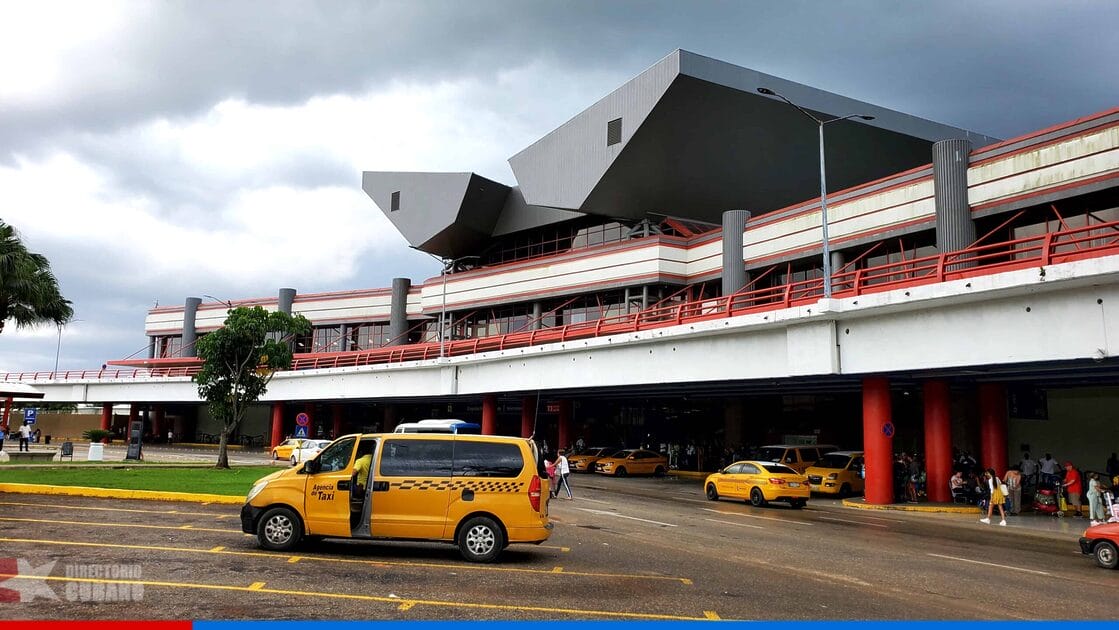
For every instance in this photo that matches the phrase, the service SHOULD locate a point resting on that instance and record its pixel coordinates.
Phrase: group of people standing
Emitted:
(24, 433)
(558, 472)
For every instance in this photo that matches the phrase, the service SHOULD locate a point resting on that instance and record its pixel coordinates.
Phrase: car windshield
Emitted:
(833, 461)
(600, 452)
(622, 454)
(778, 469)
(770, 454)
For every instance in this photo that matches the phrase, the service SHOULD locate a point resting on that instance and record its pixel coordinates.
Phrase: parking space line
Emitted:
(989, 564)
(713, 520)
(371, 598)
(764, 518)
(256, 586)
(294, 559)
(711, 614)
(632, 518)
(133, 525)
(378, 563)
(106, 509)
(217, 549)
(845, 520)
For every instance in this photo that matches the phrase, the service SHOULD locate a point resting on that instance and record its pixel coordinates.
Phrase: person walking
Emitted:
(562, 472)
(1095, 501)
(1050, 470)
(24, 437)
(1013, 481)
(996, 497)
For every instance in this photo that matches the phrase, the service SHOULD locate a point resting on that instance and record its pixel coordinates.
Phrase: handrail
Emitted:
(1066, 245)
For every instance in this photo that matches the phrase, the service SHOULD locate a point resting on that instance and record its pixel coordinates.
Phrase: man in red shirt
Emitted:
(1072, 485)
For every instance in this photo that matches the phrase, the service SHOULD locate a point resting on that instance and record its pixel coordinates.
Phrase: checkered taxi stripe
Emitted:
(477, 485)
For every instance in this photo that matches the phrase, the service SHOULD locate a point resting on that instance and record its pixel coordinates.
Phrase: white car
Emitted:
(306, 450)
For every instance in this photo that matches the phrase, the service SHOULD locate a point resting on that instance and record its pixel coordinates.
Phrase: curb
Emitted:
(116, 493)
(687, 474)
(859, 504)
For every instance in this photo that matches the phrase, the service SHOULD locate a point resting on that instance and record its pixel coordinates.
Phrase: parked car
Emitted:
(838, 472)
(585, 460)
(283, 449)
(632, 462)
(796, 456)
(758, 483)
(308, 449)
(1102, 543)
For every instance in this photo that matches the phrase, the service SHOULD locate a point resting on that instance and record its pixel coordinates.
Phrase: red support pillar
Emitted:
(390, 418)
(158, 430)
(106, 416)
(277, 424)
(564, 437)
(938, 441)
(309, 409)
(7, 411)
(133, 416)
(878, 441)
(992, 427)
(489, 414)
(336, 410)
(528, 415)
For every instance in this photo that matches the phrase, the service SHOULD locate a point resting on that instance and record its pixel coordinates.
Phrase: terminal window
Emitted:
(614, 132)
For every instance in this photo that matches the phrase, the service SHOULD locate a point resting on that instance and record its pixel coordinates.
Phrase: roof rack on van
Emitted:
(439, 425)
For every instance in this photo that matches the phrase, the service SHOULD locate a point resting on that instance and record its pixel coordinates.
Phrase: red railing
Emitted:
(1079, 243)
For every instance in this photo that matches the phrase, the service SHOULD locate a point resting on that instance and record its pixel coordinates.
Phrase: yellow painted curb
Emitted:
(910, 507)
(688, 474)
(118, 493)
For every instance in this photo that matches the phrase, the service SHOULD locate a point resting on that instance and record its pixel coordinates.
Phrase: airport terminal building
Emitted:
(656, 275)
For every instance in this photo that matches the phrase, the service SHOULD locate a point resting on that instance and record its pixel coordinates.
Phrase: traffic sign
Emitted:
(29, 415)
(301, 431)
(303, 420)
(888, 429)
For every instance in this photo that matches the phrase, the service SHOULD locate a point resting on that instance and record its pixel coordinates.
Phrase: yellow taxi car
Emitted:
(632, 462)
(284, 449)
(758, 483)
(585, 461)
(837, 472)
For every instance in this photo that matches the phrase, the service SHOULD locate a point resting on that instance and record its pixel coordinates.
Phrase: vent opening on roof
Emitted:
(394, 205)
(614, 132)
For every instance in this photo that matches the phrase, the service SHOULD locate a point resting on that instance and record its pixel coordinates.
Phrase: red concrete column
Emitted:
(938, 440)
(336, 411)
(878, 441)
(564, 437)
(106, 416)
(489, 414)
(309, 409)
(277, 424)
(159, 431)
(528, 415)
(992, 427)
(7, 411)
(133, 416)
(390, 419)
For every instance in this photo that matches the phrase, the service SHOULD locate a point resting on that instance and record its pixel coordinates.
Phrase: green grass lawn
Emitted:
(235, 482)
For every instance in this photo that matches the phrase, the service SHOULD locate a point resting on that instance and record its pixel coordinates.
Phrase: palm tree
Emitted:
(29, 292)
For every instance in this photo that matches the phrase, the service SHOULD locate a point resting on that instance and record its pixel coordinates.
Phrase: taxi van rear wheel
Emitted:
(845, 491)
(481, 539)
(279, 529)
(1106, 554)
(712, 493)
(757, 499)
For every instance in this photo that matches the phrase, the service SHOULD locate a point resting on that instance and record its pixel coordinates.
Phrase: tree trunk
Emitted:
(223, 455)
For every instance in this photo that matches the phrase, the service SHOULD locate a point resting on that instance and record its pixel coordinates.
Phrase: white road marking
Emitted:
(632, 518)
(582, 499)
(764, 518)
(715, 520)
(844, 520)
(990, 564)
(695, 500)
(877, 518)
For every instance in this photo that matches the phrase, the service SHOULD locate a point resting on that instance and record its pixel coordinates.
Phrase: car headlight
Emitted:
(255, 491)
(833, 475)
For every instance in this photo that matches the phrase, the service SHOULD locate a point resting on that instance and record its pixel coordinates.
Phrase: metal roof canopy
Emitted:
(19, 390)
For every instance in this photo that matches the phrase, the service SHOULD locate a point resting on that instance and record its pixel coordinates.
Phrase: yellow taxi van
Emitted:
(796, 456)
(479, 492)
(838, 472)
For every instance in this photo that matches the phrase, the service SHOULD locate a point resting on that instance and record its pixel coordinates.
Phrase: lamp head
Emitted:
(867, 117)
(766, 91)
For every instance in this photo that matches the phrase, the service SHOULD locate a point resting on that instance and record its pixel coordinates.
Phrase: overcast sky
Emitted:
(159, 150)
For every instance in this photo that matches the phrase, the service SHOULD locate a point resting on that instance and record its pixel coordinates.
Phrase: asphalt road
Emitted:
(623, 549)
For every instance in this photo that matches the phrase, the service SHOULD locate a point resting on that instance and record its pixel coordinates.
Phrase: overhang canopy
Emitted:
(18, 390)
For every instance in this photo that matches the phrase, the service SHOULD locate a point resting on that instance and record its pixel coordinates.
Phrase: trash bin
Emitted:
(47, 439)
(96, 452)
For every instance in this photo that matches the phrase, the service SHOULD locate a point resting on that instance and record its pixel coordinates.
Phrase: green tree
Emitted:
(29, 292)
(239, 361)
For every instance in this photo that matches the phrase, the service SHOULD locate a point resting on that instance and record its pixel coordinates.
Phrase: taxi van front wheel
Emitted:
(481, 539)
(279, 529)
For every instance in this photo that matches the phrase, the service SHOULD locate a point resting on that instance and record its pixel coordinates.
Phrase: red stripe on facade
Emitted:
(1042, 132)
(1043, 191)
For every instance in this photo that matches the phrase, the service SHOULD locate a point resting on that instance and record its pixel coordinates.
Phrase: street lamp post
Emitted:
(823, 179)
(447, 264)
(58, 347)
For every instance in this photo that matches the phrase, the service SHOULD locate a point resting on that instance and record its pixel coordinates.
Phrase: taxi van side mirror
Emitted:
(311, 467)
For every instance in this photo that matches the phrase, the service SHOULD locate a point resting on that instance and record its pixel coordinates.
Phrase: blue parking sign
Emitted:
(29, 415)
